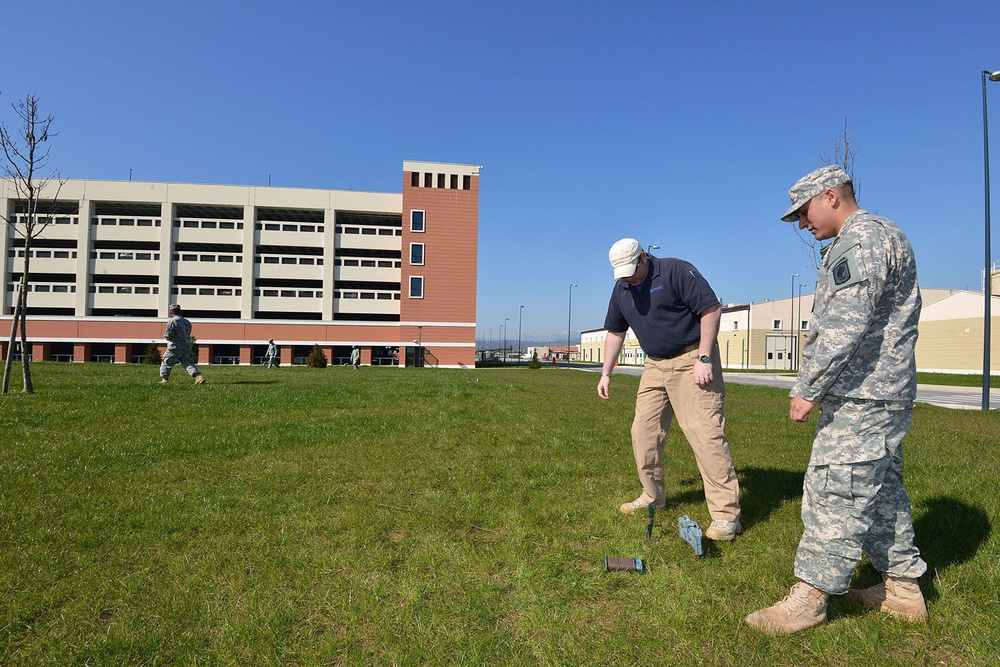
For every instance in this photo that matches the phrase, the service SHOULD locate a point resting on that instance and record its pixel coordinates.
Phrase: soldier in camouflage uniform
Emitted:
(178, 335)
(858, 366)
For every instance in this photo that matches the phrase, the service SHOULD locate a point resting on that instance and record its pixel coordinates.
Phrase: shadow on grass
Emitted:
(948, 532)
(764, 490)
(249, 382)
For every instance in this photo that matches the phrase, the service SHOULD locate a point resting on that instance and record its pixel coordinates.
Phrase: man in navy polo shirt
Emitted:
(675, 315)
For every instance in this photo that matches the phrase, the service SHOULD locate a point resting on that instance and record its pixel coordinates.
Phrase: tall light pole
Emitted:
(651, 248)
(520, 311)
(987, 277)
(569, 324)
(420, 346)
(791, 323)
(505, 329)
(798, 338)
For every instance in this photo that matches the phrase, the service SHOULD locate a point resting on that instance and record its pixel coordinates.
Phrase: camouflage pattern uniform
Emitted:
(858, 364)
(178, 335)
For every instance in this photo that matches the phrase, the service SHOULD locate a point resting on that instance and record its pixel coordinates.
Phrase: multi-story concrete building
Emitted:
(394, 274)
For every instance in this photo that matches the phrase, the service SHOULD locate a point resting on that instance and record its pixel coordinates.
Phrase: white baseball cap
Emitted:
(624, 256)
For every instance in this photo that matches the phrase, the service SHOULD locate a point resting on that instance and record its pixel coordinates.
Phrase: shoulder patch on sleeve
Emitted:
(846, 270)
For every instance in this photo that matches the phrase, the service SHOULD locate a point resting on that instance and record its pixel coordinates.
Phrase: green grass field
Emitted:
(436, 517)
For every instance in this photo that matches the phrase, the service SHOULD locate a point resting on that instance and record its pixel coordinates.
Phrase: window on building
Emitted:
(440, 180)
(270, 260)
(428, 180)
(270, 292)
(226, 225)
(414, 179)
(467, 182)
(804, 325)
(307, 260)
(40, 288)
(272, 226)
(305, 294)
(369, 263)
(124, 289)
(142, 290)
(416, 287)
(143, 255)
(105, 289)
(454, 181)
(776, 325)
(307, 228)
(417, 254)
(288, 260)
(350, 262)
(208, 258)
(145, 222)
(224, 291)
(209, 224)
(736, 325)
(417, 221)
(190, 291)
(226, 258)
(206, 291)
(60, 288)
(349, 295)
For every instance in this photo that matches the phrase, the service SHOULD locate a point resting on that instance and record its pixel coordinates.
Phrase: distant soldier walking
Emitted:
(272, 353)
(355, 357)
(178, 335)
(858, 365)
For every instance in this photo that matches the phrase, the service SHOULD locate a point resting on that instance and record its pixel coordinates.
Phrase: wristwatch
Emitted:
(704, 358)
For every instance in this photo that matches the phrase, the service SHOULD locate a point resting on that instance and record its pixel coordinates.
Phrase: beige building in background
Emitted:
(769, 335)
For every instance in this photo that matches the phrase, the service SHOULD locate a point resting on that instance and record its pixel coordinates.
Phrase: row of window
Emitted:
(125, 222)
(778, 325)
(36, 287)
(286, 227)
(208, 224)
(416, 291)
(290, 293)
(21, 219)
(449, 181)
(416, 257)
(384, 296)
(207, 291)
(123, 289)
(58, 254)
(368, 263)
(368, 231)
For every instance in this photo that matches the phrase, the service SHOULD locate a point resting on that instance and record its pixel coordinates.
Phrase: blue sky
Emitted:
(682, 124)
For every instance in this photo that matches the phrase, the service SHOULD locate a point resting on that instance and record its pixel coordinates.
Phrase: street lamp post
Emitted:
(505, 329)
(651, 248)
(420, 346)
(499, 337)
(987, 278)
(798, 338)
(569, 324)
(791, 323)
(520, 311)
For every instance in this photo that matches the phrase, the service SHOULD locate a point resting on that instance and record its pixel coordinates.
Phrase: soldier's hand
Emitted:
(800, 408)
(603, 386)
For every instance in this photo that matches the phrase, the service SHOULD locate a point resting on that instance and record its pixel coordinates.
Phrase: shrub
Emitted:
(152, 355)
(316, 358)
(534, 361)
(194, 347)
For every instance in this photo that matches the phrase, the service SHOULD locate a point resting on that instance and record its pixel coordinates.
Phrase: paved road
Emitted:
(960, 398)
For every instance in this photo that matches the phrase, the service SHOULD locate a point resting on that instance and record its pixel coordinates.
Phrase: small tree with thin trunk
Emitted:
(845, 152)
(27, 168)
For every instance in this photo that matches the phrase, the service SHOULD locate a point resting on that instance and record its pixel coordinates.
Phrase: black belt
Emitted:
(690, 348)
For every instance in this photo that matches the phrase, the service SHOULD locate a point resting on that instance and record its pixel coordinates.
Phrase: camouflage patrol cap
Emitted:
(811, 185)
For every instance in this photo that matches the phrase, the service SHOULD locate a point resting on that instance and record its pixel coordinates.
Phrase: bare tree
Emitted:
(845, 152)
(27, 167)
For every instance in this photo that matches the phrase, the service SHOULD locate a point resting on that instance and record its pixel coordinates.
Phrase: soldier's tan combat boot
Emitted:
(804, 607)
(900, 598)
(199, 379)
